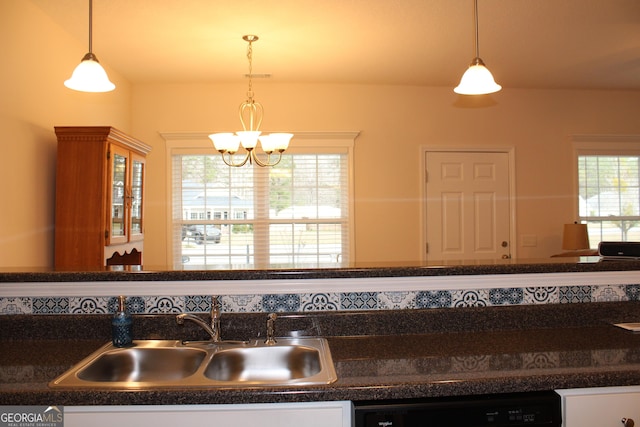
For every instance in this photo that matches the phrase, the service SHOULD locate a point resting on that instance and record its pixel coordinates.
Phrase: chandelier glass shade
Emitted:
(477, 80)
(89, 76)
(251, 113)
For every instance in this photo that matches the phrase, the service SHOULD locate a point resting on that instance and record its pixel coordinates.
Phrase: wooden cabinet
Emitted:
(600, 407)
(99, 197)
(309, 414)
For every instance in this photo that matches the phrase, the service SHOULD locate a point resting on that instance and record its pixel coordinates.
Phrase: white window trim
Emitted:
(199, 142)
(598, 144)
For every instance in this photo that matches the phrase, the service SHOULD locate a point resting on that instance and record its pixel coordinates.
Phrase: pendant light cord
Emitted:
(90, 25)
(475, 12)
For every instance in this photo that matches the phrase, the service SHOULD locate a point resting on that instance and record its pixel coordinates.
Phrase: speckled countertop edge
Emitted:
(551, 265)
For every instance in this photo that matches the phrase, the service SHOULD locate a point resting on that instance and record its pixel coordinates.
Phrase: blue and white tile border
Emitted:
(321, 294)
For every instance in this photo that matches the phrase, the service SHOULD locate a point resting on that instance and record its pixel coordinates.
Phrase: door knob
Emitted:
(627, 422)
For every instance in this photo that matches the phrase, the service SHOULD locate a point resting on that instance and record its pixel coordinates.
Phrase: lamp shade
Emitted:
(226, 141)
(89, 76)
(477, 80)
(275, 142)
(248, 138)
(575, 237)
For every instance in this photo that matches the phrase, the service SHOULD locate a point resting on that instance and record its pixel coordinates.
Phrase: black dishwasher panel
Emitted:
(503, 410)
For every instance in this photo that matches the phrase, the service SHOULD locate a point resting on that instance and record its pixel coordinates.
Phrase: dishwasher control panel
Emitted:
(518, 409)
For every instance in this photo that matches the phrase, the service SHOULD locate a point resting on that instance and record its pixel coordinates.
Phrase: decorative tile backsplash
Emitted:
(342, 301)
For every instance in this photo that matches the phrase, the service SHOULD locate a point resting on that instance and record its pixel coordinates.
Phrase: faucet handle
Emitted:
(271, 329)
(215, 318)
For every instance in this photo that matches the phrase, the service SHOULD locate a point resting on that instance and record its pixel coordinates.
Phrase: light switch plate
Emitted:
(529, 240)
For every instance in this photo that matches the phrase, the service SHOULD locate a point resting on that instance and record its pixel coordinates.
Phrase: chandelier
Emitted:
(251, 113)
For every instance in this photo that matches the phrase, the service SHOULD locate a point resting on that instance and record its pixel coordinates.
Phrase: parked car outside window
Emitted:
(201, 233)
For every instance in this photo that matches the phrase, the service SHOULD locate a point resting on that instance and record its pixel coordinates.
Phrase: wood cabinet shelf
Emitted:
(99, 197)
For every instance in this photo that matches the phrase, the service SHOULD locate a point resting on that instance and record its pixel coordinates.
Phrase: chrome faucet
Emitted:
(214, 328)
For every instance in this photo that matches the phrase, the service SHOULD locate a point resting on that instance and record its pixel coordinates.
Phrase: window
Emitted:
(296, 214)
(609, 192)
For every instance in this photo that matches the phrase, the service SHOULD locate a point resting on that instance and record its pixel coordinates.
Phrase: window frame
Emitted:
(198, 143)
(599, 145)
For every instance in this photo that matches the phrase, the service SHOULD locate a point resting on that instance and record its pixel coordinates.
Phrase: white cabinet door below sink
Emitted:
(308, 414)
(600, 407)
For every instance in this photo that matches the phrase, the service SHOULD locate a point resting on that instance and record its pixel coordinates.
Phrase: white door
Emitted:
(468, 207)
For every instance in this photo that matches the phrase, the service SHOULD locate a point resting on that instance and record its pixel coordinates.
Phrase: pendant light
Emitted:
(477, 80)
(89, 76)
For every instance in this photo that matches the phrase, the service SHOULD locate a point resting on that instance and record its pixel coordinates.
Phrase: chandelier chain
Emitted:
(250, 58)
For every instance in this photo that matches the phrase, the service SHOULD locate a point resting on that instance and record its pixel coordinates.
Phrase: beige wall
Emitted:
(395, 122)
(37, 56)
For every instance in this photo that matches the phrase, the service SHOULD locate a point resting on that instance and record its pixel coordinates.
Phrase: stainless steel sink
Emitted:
(168, 363)
(143, 364)
(279, 363)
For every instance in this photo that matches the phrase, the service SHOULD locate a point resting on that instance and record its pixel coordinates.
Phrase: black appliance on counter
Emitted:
(499, 410)
(619, 250)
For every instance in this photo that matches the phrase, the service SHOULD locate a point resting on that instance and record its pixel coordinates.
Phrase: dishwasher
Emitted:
(499, 410)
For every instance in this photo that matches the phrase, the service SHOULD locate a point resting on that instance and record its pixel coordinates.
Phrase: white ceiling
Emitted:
(525, 43)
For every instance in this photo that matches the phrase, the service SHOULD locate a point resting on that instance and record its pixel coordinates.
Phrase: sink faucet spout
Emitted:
(214, 328)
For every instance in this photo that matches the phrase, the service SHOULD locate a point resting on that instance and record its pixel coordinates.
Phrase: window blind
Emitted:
(609, 197)
(295, 214)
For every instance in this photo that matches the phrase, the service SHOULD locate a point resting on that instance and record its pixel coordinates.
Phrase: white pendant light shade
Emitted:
(477, 80)
(225, 142)
(89, 76)
(275, 142)
(249, 138)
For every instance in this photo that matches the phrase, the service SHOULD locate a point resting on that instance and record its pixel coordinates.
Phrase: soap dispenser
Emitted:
(121, 325)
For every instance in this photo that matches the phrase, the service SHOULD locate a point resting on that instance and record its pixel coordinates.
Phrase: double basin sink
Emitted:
(171, 363)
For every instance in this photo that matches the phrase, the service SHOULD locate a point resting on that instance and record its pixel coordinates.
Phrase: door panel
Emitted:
(484, 227)
(468, 207)
(452, 218)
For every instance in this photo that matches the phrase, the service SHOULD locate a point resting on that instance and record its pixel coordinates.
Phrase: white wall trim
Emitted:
(294, 286)
(599, 138)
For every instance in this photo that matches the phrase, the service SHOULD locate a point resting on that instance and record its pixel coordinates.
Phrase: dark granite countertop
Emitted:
(377, 355)
(472, 267)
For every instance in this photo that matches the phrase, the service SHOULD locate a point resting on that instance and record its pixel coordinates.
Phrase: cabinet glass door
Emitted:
(137, 194)
(119, 196)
